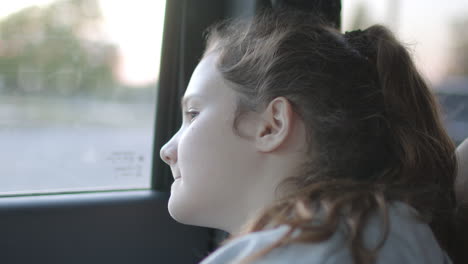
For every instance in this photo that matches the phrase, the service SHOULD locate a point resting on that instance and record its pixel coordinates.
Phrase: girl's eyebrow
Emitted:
(187, 98)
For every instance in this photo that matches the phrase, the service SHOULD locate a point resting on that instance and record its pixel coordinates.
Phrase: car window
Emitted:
(78, 86)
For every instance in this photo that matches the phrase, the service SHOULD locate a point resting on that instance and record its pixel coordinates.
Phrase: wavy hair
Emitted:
(374, 132)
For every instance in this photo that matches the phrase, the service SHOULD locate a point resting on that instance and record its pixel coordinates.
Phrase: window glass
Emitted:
(436, 33)
(78, 86)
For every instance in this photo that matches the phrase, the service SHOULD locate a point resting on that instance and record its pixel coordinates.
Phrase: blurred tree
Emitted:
(459, 66)
(57, 49)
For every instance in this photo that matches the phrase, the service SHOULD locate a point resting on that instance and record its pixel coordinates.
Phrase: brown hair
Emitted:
(373, 129)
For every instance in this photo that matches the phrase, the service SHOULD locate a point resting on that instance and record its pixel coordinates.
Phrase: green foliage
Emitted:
(58, 50)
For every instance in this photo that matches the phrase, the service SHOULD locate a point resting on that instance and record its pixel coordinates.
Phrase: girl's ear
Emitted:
(275, 125)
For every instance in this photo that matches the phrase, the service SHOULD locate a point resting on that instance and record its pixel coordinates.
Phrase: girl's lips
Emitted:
(176, 174)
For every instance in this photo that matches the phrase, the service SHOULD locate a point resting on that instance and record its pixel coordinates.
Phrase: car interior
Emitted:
(132, 225)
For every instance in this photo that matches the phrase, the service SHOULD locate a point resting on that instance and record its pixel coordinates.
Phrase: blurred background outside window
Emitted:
(78, 86)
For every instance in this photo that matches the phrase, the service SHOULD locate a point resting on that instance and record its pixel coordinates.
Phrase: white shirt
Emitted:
(409, 241)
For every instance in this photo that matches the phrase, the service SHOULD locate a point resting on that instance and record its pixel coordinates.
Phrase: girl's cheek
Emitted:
(186, 146)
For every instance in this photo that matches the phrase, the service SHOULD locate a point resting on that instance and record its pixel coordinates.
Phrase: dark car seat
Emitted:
(461, 191)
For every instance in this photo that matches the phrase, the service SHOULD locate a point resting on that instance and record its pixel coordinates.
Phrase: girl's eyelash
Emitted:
(190, 114)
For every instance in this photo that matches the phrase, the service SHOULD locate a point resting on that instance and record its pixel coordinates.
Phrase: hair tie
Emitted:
(359, 41)
(353, 34)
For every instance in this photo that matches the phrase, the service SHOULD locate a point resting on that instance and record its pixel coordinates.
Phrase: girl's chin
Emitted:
(182, 211)
(175, 183)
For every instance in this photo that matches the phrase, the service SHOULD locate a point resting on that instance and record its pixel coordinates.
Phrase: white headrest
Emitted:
(461, 182)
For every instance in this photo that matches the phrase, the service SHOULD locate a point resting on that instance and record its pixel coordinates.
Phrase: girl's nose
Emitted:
(168, 153)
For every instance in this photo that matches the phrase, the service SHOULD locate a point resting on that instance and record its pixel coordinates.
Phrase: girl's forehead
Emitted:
(206, 80)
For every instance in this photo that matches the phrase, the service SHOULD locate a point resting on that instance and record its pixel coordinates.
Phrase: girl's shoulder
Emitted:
(409, 241)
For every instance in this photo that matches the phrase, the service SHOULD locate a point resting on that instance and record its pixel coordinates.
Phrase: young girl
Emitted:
(310, 146)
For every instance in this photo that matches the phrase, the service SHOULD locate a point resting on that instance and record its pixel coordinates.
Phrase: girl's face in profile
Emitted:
(212, 166)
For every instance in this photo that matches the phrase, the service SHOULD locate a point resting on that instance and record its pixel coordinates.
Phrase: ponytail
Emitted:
(423, 151)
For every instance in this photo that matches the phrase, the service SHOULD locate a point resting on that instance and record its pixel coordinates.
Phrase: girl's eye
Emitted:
(191, 114)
